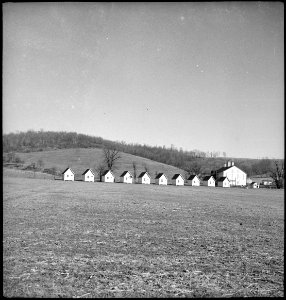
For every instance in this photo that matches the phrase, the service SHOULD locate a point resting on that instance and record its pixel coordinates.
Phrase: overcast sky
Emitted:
(206, 76)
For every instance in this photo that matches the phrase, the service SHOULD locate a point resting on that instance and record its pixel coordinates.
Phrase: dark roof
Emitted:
(124, 173)
(67, 169)
(105, 172)
(142, 174)
(159, 175)
(192, 177)
(207, 177)
(222, 179)
(176, 176)
(222, 169)
(87, 171)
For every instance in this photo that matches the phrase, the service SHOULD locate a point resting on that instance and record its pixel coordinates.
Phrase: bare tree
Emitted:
(134, 165)
(278, 174)
(40, 164)
(193, 168)
(110, 158)
(100, 169)
(146, 168)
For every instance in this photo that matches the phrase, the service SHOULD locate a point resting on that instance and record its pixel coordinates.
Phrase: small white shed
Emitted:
(194, 180)
(68, 174)
(223, 182)
(144, 178)
(208, 181)
(88, 175)
(178, 179)
(126, 177)
(254, 185)
(161, 179)
(107, 176)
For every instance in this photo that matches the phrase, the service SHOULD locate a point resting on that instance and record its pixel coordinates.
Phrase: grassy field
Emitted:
(77, 239)
(81, 159)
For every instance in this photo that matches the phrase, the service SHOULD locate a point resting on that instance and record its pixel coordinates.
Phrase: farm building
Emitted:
(126, 177)
(88, 175)
(223, 182)
(178, 179)
(235, 175)
(144, 178)
(254, 185)
(194, 180)
(107, 176)
(266, 182)
(161, 179)
(208, 181)
(68, 174)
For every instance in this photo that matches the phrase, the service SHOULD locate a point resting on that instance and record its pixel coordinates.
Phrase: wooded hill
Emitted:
(194, 161)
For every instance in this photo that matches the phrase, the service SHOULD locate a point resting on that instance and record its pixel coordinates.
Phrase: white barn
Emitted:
(144, 178)
(194, 180)
(68, 174)
(107, 176)
(178, 179)
(236, 176)
(223, 182)
(88, 175)
(161, 179)
(126, 177)
(208, 181)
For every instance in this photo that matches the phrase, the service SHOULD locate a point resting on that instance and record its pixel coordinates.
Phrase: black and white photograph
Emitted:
(143, 149)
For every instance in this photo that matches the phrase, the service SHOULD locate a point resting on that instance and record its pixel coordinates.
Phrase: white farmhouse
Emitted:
(208, 181)
(107, 176)
(178, 179)
(68, 174)
(88, 175)
(223, 182)
(126, 177)
(144, 178)
(236, 176)
(194, 180)
(161, 179)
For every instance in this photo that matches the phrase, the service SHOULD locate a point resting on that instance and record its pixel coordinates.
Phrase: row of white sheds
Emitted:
(144, 178)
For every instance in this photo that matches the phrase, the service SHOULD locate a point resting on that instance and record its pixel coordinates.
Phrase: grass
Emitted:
(77, 239)
(81, 159)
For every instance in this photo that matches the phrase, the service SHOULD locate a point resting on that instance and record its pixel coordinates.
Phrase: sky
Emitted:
(197, 75)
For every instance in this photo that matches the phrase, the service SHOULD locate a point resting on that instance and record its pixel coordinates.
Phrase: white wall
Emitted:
(235, 176)
(145, 179)
(88, 177)
(108, 177)
(69, 176)
(162, 181)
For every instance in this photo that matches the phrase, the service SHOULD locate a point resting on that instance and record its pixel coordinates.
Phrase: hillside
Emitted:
(81, 159)
(194, 161)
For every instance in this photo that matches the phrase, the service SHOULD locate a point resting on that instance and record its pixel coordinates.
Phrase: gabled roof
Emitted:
(192, 177)
(226, 168)
(105, 172)
(176, 176)
(143, 173)
(124, 173)
(222, 179)
(87, 171)
(160, 175)
(206, 178)
(68, 168)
